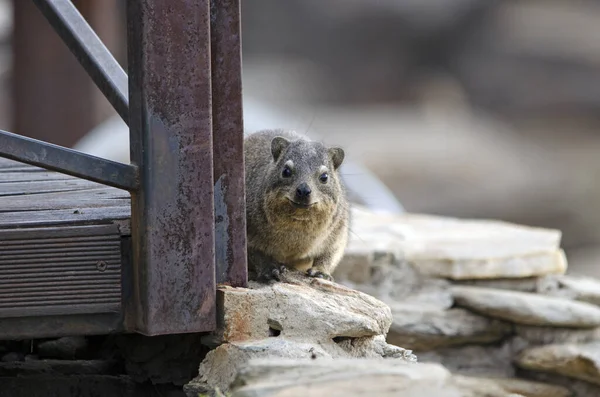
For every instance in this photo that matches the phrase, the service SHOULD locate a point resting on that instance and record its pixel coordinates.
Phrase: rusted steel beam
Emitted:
(89, 50)
(228, 144)
(67, 161)
(171, 143)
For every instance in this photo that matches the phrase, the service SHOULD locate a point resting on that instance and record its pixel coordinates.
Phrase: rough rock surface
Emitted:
(317, 310)
(585, 289)
(526, 308)
(459, 249)
(325, 378)
(516, 386)
(527, 284)
(306, 319)
(321, 377)
(476, 360)
(486, 302)
(578, 388)
(577, 361)
(423, 330)
(536, 335)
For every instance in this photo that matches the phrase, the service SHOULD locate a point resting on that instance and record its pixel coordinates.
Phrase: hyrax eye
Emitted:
(324, 177)
(287, 172)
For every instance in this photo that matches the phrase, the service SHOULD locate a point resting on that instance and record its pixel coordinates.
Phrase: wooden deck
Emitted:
(64, 263)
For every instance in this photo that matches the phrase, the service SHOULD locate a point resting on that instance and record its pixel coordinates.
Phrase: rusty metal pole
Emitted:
(53, 98)
(171, 143)
(228, 133)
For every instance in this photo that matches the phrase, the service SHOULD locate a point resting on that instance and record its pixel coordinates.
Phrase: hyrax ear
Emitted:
(278, 144)
(337, 156)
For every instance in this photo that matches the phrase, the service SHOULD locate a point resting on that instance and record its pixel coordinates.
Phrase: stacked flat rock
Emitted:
(302, 319)
(482, 297)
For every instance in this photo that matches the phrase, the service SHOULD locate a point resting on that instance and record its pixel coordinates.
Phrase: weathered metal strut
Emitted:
(171, 141)
(58, 158)
(184, 109)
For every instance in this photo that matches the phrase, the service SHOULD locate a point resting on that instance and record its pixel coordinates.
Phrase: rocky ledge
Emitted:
(368, 377)
(484, 305)
(304, 319)
(481, 297)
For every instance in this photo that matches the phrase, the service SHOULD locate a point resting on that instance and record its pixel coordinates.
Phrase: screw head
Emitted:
(101, 265)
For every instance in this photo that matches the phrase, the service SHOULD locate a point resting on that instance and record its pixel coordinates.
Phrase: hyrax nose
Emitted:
(303, 191)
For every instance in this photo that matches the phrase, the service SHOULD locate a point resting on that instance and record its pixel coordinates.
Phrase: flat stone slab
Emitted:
(581, 288)
(494, 359)
(458, 248)
(424, 330)
(527, 284)
(304, 318)
(526, 308)
(222, 364)
(536, 335)
(579, 361)
(315, 310)
(354, 378)
(513, 385)
(350, 378)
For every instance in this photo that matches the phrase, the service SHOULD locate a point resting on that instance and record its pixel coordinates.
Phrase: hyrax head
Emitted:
(304, 177)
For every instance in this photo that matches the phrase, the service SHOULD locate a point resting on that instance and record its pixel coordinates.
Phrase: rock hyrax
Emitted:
(296, 207)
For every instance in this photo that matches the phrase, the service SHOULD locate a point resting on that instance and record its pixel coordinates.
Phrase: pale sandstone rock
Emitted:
(526, 308)
(317, 311)
(513, 385)
(470, 265)
(424, 330)
(527, 284)
(585, 289)
(580, 388)
(308, 319)
(476, 360)
(536, 335)
(456, 248)
(391, 279)
(349, 378)
(223, 364)
(579, 361)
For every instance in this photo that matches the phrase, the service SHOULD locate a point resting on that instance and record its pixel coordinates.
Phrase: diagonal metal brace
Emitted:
(90, 51)
(68, 161)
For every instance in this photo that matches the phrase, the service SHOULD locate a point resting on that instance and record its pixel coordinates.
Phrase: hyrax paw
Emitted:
(278, 272)
(274, 273)
(318, 274)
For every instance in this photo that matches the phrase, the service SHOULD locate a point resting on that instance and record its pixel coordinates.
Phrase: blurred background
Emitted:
(467, 108)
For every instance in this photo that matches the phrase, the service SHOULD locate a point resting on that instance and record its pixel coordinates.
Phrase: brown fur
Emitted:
(280, 234)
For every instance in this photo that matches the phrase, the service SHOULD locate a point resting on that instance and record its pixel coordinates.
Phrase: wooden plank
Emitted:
(44, 186)
(65, 217)
(76, 200)
(21, 168)
(19, 176)
(57, 203)
(52, 232)
(87, 255)
(6, 163)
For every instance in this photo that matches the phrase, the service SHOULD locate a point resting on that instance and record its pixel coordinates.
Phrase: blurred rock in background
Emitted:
(480, 109)
(463, 108)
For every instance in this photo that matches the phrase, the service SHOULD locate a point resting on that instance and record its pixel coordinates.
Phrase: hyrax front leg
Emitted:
(322, 268)
(264, 268)
(324, 265)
